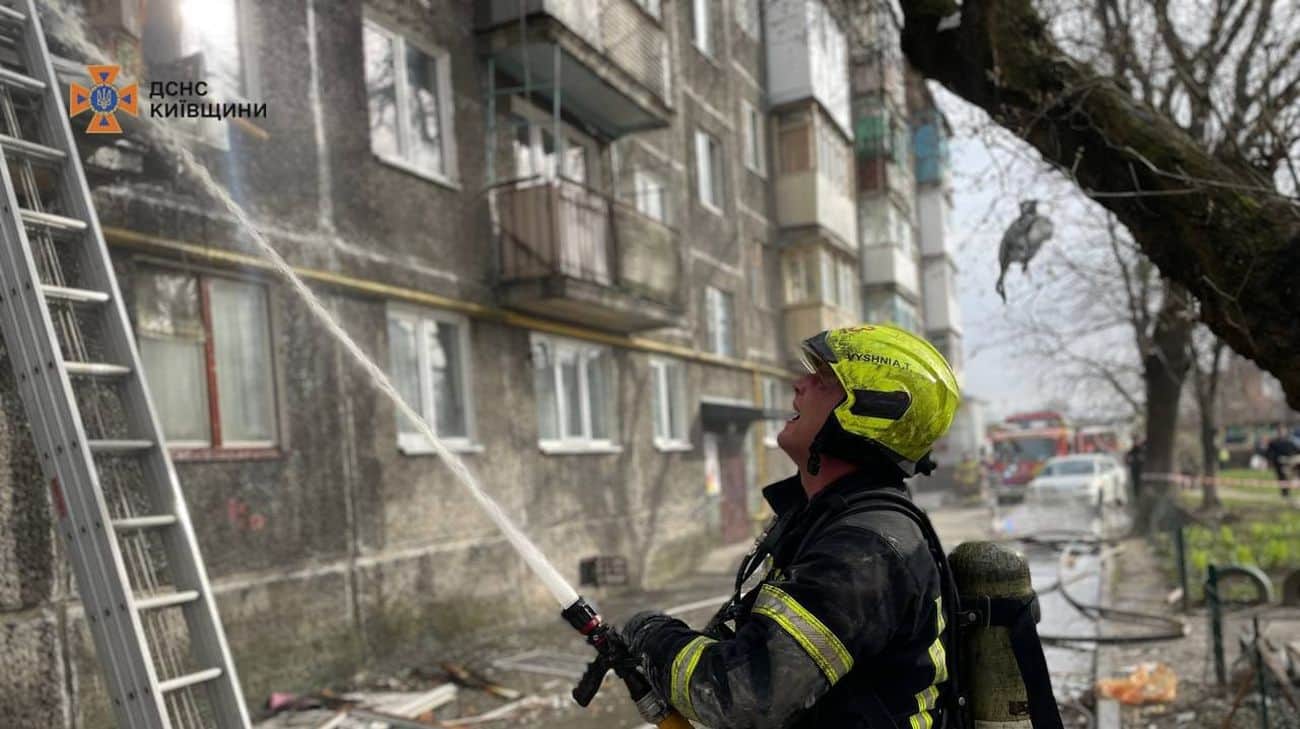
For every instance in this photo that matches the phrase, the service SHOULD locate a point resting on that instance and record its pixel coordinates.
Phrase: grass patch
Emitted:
(1247, 473)
(1249, 533)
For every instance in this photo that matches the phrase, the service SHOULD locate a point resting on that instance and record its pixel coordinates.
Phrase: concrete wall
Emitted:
(807, 57)
(360, 554)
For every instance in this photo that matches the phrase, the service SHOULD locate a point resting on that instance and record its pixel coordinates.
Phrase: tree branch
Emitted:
(1203, 218)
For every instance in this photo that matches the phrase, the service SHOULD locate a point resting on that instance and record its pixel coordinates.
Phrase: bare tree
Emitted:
(1111, 324)
(1180, 117)
(1206, 355)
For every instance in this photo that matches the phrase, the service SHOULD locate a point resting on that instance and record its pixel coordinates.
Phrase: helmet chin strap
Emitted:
(814, 457)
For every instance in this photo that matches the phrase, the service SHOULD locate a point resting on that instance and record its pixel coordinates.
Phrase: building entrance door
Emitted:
(735, 488)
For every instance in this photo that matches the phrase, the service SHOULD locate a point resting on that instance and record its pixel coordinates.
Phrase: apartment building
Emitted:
(904, 206)
(584, 239)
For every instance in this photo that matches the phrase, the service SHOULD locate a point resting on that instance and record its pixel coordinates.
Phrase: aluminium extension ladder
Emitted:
(120, 509)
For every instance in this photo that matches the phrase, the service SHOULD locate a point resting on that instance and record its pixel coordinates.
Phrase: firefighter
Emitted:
(846, 626)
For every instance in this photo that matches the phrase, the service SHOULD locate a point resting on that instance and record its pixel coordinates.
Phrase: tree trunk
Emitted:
(1202, 216)
(1164, 368)
(1210, 459)
(1207, 390)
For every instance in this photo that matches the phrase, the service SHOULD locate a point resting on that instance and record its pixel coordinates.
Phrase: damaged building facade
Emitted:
(584, 245)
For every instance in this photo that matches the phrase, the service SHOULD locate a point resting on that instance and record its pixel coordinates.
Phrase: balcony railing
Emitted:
(558, 227)
(568, 251)
(609, 60)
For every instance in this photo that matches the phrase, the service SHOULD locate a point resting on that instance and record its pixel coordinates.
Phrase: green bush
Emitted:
(1268, 539)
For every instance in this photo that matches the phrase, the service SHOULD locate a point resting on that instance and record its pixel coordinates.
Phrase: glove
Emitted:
(645, 629)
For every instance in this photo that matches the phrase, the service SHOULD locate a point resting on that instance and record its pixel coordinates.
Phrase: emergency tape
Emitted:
(1185, 481)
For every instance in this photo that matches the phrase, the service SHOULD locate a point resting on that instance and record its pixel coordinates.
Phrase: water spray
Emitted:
(612, 651)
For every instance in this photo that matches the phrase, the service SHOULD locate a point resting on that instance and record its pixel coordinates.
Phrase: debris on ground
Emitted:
(1148, 683)
(466, 678)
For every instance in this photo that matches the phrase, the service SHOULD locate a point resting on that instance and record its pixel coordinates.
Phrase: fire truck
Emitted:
(1021, 444)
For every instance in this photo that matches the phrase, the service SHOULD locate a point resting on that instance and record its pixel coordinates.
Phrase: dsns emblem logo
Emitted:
(104, 99)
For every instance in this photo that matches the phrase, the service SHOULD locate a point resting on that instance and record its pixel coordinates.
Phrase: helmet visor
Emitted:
(816, 356)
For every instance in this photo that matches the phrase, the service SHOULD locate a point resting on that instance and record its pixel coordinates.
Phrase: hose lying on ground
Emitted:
(1173, 628)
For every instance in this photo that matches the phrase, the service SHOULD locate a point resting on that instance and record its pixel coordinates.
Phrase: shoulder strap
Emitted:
(957, 706)
(1017, 615)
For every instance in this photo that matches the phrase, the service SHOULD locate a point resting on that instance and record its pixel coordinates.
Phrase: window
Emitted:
(212, 27)
(701, 33)
(775, 397)
(709, 170)
(575, 389)
(651, 197)
(847, 281)
(409, 93)
(428, 358)
(654, 7)
(755, 138)
(894, 309)
(720, 321)
(832, 156)
(533, 144)
(668, 404)
(200, 40)
(801, 272)
(747, 17)
(816, 275)
(205, 343)
(794, 143)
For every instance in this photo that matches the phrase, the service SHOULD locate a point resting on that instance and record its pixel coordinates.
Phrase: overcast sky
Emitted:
(991, 173)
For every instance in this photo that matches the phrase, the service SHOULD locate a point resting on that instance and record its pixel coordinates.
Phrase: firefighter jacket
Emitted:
(845, 629)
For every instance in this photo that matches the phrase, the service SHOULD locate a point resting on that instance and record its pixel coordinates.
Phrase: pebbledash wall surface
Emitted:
(609, 415)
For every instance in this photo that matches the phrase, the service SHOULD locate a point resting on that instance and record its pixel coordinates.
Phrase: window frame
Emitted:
(217, 447)
(643, 181)
(585, 353)
(754, 134)
(449, 176)
(702, 27)
(725, 303)
(705, 144)
(663, 392)
(414, 444)
(538, 122)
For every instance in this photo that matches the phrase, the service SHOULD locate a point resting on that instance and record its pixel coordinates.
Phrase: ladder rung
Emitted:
(31, 150)
(21, 81)
(143, 522)
(120, 446)
(171, 599)
(77, 296)
(50, 221)
(9, 15)
(174, 684)
(95, 369)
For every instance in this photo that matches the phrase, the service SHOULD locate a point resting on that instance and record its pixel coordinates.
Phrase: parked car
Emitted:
(1092, 477)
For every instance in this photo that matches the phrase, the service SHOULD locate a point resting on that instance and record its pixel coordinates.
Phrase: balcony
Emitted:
(804, 320)
(610, 65)
(893, 268)
(571, 253)
(813, 186)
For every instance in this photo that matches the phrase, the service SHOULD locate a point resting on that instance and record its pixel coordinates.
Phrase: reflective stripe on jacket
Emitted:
(846, 627)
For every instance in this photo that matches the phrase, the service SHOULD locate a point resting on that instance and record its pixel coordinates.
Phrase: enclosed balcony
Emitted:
(608, 62)
(814, 186)
(893, 268)
(568, 252)
(819, 292)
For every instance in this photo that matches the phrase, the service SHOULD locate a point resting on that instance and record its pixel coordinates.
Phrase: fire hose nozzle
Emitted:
(612, 654)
